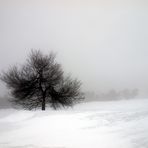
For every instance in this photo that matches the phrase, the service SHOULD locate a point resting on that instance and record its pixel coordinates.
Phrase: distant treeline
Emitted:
(112, 95)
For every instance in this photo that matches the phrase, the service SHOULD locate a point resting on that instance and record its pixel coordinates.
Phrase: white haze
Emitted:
(102, 43)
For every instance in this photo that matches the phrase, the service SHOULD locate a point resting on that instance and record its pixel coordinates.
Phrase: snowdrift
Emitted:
(114, 124)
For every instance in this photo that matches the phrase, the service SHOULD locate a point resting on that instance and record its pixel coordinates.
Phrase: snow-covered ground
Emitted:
(115, 124)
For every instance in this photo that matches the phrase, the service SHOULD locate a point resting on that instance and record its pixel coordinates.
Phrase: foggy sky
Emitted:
(104, 43)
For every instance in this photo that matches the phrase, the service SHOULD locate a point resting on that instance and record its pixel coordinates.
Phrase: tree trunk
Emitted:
(43, 103)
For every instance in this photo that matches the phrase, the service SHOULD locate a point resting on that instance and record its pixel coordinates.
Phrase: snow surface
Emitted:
(114, 124)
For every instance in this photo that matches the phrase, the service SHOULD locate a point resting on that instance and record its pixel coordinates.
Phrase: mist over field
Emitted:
(102, 43)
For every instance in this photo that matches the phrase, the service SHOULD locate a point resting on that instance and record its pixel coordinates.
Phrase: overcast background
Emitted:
(104, 43)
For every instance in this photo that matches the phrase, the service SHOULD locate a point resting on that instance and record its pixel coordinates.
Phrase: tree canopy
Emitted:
(41, 81)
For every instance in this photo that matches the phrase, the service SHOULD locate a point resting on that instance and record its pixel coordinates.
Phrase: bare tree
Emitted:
(41, 81)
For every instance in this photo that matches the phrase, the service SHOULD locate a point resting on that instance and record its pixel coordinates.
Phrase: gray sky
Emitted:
(102, 42)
